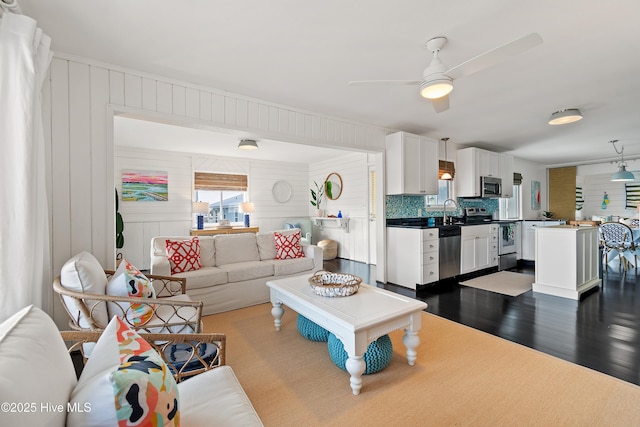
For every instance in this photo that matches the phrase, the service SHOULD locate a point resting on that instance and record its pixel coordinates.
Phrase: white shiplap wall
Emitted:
(144, 220)
(79, 100)
(353, 202)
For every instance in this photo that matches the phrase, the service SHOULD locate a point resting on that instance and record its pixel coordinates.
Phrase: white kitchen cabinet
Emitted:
(529, 236)
(473, 163)
(411, 164)
(412, 256)
(493, 245)
(567, 261)
(506, 173)
(478, 247)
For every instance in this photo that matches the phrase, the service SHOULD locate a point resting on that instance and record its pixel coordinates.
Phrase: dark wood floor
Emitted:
(601, 331)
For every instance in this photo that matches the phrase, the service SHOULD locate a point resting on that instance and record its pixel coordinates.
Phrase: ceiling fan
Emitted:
(437, 78)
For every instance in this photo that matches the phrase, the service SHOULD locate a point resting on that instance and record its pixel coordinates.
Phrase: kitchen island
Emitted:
(567, 262)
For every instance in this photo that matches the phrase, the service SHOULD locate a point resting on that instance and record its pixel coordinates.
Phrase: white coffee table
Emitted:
(356, 320)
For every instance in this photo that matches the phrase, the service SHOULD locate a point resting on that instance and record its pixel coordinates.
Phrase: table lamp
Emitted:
(246, 208)
(200, 209)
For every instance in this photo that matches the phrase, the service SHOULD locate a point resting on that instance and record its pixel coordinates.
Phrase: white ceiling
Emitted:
(131, 132)
(303, 54)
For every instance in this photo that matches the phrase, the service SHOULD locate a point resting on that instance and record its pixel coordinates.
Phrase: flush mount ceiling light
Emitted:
(248, 144)
(623, 175)
(446, 175)
(562, 117)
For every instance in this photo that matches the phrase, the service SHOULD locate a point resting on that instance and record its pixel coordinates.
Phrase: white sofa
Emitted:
(235, 268)
(38, 384)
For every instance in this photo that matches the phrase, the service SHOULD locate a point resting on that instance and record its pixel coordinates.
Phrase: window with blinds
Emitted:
(220, 181)
(224, 192)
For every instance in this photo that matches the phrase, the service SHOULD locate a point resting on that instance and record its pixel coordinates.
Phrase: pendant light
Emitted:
(446, 175)
(623, 175)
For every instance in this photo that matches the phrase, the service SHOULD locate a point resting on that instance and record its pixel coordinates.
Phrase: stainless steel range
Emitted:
(476, 216)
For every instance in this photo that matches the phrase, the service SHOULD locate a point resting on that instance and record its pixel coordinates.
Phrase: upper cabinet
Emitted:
(411, 164)
(472, 163)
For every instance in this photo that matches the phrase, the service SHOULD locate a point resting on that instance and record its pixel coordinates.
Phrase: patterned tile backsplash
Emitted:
(409, 206)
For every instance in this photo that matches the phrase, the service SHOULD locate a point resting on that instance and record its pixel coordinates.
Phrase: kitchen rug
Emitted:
(503, 282)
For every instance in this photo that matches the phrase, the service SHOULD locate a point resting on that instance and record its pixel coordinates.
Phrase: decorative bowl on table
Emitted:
(328, 284)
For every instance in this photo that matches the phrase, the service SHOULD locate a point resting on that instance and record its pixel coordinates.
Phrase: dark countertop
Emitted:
(421, 223)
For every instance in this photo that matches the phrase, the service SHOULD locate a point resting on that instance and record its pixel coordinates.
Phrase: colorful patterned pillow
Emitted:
(288, 245)
(125, 383)
(128, 281)
(184, 255)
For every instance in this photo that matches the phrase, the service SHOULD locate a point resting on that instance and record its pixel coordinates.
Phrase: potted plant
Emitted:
(316, 198)
(547, 214)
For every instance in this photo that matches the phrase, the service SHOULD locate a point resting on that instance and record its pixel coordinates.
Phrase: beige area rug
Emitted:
(503, 282)
(462, 377)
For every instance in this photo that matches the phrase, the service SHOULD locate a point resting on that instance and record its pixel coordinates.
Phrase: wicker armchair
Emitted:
(191, 361)
(173, 310)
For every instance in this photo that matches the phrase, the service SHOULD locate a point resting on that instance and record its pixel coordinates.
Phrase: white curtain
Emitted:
(25, 270)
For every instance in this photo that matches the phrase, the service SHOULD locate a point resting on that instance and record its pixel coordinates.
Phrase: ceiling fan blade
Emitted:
(441, 104)
(493, 56)
(384, 82)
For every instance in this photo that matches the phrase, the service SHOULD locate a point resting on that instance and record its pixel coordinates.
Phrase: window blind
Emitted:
(220, 181)
(632, 192)
(445, 166)
(517, 178)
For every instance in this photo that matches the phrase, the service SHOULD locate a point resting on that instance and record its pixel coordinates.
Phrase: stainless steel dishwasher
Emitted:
(449, 252)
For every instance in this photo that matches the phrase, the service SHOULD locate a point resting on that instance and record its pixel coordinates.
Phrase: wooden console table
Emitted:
(232, 230)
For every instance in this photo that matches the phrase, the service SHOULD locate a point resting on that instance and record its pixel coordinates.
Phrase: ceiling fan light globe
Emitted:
(435, 89)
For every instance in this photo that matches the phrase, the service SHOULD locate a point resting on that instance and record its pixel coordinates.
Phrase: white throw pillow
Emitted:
(83, 273)
(125, 380)
(36, 370)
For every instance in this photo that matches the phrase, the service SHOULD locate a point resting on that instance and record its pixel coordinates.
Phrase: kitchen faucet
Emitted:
(444, 209)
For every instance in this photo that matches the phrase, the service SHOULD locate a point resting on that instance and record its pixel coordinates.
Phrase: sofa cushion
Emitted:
(83, 273)
(125, 382)
(267, 242)
(266, 245)
(204, 278)
(285, 267)
(234, 248)
(242, 271)
(207, 251)
(128, 281)
(219, 385)
(288, 245)
(183, 255)
(36, 368)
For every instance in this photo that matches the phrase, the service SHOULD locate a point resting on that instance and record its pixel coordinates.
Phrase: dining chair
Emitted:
(617, 241)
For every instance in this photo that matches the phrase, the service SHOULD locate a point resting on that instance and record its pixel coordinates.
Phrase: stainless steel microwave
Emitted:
(491, 186)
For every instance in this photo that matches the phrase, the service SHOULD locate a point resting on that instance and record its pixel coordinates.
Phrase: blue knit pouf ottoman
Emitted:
(310, 330)
(377, 356)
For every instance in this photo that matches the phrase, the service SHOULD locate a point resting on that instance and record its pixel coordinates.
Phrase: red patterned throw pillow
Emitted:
(288, 245)
(184, 255)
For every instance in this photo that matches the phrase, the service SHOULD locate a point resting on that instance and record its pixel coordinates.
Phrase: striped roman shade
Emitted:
(220, 181)
(632, 191)
(444, 166)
